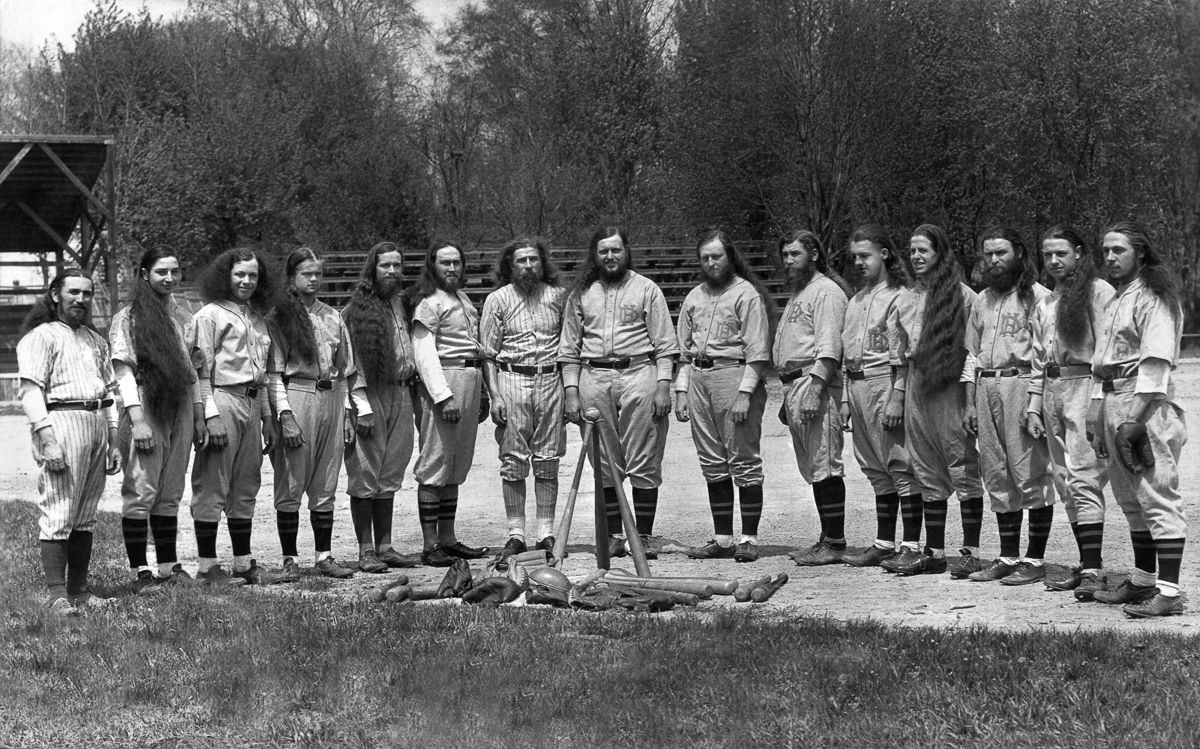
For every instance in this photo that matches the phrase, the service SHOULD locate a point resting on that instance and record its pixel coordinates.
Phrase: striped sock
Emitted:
(1170, 558)
(322, 525)
(513, 493)
(1145, 557)
(751, 500)
(447, 511)
(935, 524)
(206, 540)
(887, 508)
(545, 497)
(135, 531)
(645, 506)
(239, 535)
(428, 502)
(1010, 533)
(720, 502)
(1090, 538)
(165, 530)
(288, 525)
(972, 520)
(613, 512)
(360, 516)
(381, 520)
(1040, 520)
(830, 495)
(912, 507)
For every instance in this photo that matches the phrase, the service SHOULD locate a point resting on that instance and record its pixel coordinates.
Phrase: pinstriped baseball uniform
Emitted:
(313, 467)
(1137, 326)
(447, 449)
(866, 348)
(1078, 475)
(375, 467)
(520, 330)
(154, 481)
(70, 364)
(942, 455)
(726, 326)
(231, 347)
(809, 331)
(626, 319)
(1015, 467)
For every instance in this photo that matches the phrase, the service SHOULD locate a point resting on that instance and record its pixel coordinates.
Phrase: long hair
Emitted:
(369, 319)
(893, 263)
(590, 272)
(290, 316)
(504, 269)
(742, 269)
(165, 374)
(45, 309)
(217, 285)
(1025, 264)
(811, 242)
(427, 282)
(1153, 271)
(1074, 320)
(942, 350)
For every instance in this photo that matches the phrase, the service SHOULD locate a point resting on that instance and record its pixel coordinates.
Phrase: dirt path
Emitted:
(789, 521)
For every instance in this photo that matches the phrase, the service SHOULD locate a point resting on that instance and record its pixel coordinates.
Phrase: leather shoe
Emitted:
(1126, 592)
(1089, 585)
(368, 561)
(514, 546)
(906, 557)
(393, 558)
(995, 571)
(872, 557)
(822, 552)
(1025, 574)
(329, 567)
(436, 557)
(462, 551)
(965, 565)
(1070, 582)
(712, 550)
(616, 547)
(746, 552)
(650, 552)
(926, 565)
(1159, 605)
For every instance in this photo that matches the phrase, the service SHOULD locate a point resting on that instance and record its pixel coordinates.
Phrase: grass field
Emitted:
(307, 667)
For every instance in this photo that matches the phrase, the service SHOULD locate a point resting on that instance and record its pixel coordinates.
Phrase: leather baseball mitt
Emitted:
(1133, 447)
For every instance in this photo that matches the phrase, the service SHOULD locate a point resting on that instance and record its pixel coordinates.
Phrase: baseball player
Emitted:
(161, 397)
(449, 360)
(309, 396)
(518, 335)
(1135, 421)
(808, 355)
(382, 399)
(724, 338)
(67, 389)
(231, 348)
(1064, 328)
(927, 330)
(873, 404)
(618, 355)
(1015, 466)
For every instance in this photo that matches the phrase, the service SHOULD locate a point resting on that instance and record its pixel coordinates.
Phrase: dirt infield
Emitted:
(789, 521)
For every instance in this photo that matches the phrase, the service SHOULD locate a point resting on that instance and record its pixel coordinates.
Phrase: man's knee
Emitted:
(545, 469)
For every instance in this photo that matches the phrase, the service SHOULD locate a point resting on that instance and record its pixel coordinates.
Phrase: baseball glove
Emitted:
(457, 580)
(1133, 447)
(493, 591)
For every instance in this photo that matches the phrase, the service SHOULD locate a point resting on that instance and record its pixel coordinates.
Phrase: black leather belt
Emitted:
(704, 362)
(1054, 371)
(92, 405)
(856, 374)
(789, 377)
(528, 369)
(473, 363)
(1113, 384)
(609, 363)
(1006, 372)
(317, 384)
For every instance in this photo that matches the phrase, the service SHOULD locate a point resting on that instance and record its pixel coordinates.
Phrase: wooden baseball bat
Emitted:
(696, 587)
(719, 587)
(601, 516)
(379, 592)
(636, 550)
(742, 594)
(676, 597)
(763, 593)
(422, 592)
(564, 524)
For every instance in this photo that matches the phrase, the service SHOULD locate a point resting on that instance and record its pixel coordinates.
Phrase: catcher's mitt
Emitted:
(1133, 447)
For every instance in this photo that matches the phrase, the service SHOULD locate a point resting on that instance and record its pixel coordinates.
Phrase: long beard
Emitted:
(718, 279)
(527, 285)
(386, 288)
(613, 275)
(799, 278)
(1003, 280)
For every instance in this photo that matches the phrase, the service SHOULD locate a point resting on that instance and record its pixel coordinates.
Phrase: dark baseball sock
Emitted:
(830, 496)
(135, 531)
(935, 524)
(447, 512)
(322, 525)
(1145, 556)
(912, 510)
(1170, 558)
(54, 565)
(360, 516)
(239, 535)
(887, 507)
(612, 511)
(428, 501)
(645, 505)
(1010, 533)
(720, 502)
(288, 524)
(206, 539)
(79, 558)
(1090, 538)
(381, 517)
(972, 520)
(751, 500)
(165, 530)
(1040, 520)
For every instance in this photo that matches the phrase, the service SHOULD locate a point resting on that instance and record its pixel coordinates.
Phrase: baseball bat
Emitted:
(763, 593)
(676, 597)
(636, 550)
(719, 587)
(697, 588)
(564, 525)
(601, 516)
(742, 594)
(379, 592)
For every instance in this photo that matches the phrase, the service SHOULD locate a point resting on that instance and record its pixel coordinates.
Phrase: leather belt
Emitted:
(1115, 384)
(527, 369)
(410, 381)
(92, 405)
(706, 362)
(317, 384)
(472, 363)
(620, 363)
(1005, 372)
(249, 391)
(862, 374)
(1054, 371)
(798, 370)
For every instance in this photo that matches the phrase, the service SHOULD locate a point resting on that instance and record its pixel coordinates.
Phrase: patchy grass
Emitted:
(252, 668)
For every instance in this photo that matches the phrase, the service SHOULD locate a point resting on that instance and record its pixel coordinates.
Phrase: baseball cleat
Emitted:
(369, 561)
(290, 572)
(1089, 584)
(61, 607)
(1026, 573)
(88, 601)
(906, 556)
(1070, 582)
(1159, 605)
(712, 550)
(616, 547)
(822, 552)
(254, 575)
(393, 558)
(329, 567)
(1126, 592)
(462, 551)
(514, 546)
(926, 565)
(997, 570)
(650, 552)
(436, 557)
(146, 583)
(746, 552)
(179, 577)
(872, 557)
(217, 577)
(966, 564)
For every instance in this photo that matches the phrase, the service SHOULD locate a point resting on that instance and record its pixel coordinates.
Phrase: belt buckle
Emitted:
(251, 391)
(1053, 370)
(703, 362)
(91, 405)
(324, 384)
(1107, 386)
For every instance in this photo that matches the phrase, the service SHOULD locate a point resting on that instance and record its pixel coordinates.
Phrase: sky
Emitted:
(32, 23)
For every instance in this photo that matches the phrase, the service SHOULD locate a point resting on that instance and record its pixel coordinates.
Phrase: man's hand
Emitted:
(293, 436)
(450, 410)
(499, 411)
(112, 463)
(970, 419)
(571, 404)
(682, 410)
(199, 433)
(662, 399)
(811, 390)
(270, 433)
(218, 437)
(364, 426)
(1094, 429)
(844, 412)
(893, 411)
(740, 408)
(348, 428)
(1133, 447)
(52, 456)
(1034, 425)
(143, 436)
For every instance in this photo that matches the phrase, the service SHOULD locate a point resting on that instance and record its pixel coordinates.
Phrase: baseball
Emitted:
(591, 414)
